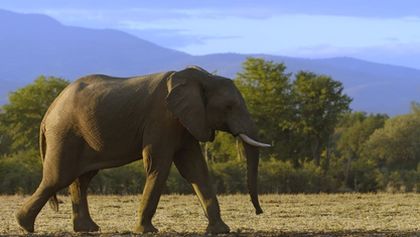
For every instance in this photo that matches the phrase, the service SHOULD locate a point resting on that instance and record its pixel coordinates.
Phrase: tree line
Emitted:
(319, 144)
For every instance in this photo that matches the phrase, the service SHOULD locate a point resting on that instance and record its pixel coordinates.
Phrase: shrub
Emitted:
(229, 177)
(128, 179)
(177, 184)
(281, 177)
(20, 173)
(364, 174)
(400, 180)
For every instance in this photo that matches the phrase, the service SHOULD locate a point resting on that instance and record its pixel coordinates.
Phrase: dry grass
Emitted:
(285, 215)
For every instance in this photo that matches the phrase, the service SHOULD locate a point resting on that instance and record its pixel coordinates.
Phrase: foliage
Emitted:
(222, 149)
(400, 180)
(177, 184)
(126, 179)
(320, 103)
(397, 144)
(282, 177)
(363, 176)
(20, 173)
(22, 116)
(354, 130)
(289, 114)
(229, 177)
(351, 136)
(5, 139)
(266, 88)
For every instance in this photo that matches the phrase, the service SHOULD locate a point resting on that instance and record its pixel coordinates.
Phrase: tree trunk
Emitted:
(239, 156)
(316, 154)
(206, 152)
(327, 158)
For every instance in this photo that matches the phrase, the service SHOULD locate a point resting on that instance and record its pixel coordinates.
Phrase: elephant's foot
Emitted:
(218, 228)
(145, 228)
(25, 222)
(85, 225)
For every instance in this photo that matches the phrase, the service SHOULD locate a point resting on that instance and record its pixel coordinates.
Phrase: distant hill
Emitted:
(33, 44)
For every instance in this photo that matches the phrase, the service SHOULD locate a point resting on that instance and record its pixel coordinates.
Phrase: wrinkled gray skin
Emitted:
(100, 122)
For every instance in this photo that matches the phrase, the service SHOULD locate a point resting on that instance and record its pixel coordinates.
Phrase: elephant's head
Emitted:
(204, 103)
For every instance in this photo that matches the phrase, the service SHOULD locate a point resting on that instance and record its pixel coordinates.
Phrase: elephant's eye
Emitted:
(229, 107)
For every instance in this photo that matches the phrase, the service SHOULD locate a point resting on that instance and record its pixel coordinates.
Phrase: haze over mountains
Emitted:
(32, 44)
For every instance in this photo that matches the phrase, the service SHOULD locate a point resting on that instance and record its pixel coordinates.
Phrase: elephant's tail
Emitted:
(42, 142)
(53, 201)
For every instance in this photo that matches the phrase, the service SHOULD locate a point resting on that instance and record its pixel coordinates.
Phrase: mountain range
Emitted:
(35, 44)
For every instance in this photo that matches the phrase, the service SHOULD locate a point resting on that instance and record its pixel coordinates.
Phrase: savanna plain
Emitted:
(284, 215)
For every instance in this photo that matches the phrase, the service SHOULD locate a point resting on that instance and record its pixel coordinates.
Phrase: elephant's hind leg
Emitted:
(59, 171)
(28, 212)
(82, 221)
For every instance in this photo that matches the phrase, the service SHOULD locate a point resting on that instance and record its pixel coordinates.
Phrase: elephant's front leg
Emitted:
(157, 163)
(192, 166)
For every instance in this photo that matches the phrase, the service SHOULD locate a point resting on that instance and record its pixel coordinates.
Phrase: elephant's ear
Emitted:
(186, 101)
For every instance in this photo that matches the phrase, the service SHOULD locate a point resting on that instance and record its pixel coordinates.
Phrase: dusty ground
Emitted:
(285, 215)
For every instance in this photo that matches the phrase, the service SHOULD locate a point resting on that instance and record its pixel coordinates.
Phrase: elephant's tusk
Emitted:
(252, 142)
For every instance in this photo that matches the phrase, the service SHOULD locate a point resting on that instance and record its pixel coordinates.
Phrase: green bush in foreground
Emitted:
(21, 173)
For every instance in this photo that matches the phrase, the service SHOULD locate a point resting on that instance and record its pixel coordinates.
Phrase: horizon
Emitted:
(386, 35)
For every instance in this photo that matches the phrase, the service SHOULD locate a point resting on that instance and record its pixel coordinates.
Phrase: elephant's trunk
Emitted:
(251, 153)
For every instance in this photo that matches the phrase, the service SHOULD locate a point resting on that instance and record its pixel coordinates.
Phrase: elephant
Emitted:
(99, 122)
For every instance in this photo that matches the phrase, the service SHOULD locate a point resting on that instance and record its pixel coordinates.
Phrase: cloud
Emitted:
(175, 38)
(392, 39)
(109, 18)
(358, 8)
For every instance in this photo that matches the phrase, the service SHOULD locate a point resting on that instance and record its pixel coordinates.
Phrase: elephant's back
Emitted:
(113, 93)
(98, 107)
(102, 79)
(90, 93)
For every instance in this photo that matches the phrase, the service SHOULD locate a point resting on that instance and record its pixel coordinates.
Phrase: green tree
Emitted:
(24, 112)
(396, 146)
(395, 152)
(320, 103)
(266, 88)
(5, 140)
(351, 135)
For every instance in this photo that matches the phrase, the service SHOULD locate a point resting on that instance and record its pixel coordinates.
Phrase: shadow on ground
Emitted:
(241, 234)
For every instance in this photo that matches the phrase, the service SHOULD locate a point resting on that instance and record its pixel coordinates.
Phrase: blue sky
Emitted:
(381, 31)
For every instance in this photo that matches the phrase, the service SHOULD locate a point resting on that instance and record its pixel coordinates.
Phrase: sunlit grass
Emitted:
(296, 215)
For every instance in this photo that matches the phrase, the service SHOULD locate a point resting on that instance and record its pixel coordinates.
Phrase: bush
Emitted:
(275, 176)
(130, 179)
(364, 174)
(229, 177)
(400, 180)
(20, 173)
(177, 184)
(127, 179)
(281, 177)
